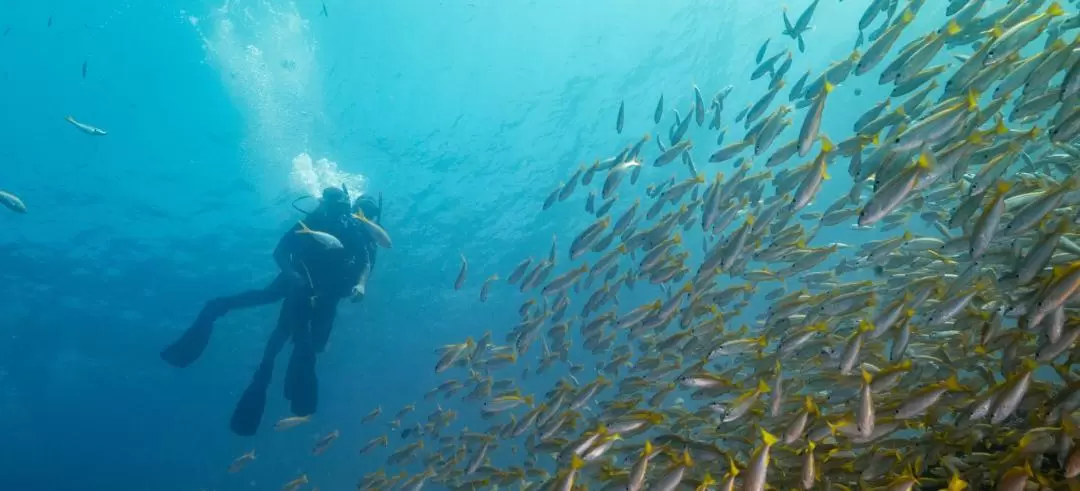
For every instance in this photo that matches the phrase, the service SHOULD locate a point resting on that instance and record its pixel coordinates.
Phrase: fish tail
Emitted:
(1055, 10)
(769, 439)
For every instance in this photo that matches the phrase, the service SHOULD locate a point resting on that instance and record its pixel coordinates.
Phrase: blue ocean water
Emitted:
(463, 114)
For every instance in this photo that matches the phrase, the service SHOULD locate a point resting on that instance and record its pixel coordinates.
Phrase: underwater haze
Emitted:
(463, 115)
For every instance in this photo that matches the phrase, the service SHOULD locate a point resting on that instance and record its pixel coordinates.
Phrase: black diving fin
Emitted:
(192, 343)
(249, 410)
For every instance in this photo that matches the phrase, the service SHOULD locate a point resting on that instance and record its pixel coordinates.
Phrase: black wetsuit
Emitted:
(334, 273)
(307, 316)
(313, 281)
(309, 313)
(329, 274)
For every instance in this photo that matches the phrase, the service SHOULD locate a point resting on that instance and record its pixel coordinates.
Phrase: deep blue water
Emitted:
(464, 114)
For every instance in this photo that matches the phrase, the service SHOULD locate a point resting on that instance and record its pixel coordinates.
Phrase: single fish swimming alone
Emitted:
(460, 281)
(369, 417)
(322, 238)
(620, 117)
(485, 289)
(291, 422)
(295, 484)
(241, 462)
(12, 202)
(376, 231)
(324, 443)
(85, 128)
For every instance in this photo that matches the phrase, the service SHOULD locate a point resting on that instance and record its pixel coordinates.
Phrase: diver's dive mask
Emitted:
(335, 202)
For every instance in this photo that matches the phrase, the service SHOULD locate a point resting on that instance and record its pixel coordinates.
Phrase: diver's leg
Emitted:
(275, 344)
(249, 410)
(190, 346)
(305, 390)
(305, 385)
(298, 327)
(291, 327)
(273, 292)
(322, 322)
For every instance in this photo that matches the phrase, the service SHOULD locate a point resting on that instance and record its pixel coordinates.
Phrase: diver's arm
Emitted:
(283, 255)
(360, 289)
(283, 252)
(365, 272)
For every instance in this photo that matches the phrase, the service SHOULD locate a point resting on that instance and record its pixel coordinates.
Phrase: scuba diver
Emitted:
(315, 276)
(307, 315)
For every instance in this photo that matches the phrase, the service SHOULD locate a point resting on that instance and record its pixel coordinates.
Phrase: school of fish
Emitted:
(935, 354)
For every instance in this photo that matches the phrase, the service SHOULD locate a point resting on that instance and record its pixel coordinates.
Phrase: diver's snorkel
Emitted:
(301, 210)
(345, 189)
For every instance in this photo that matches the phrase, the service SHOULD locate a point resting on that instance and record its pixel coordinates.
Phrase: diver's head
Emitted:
(368, 206)
(334, 202)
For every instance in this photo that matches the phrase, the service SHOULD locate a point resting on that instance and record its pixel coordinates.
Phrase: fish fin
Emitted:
(1003, 187)
(769, 439)
(953, 384)
(826, 144)
(972, 99)
(1001, 129)
(953, 28)
(924, 160)
(1068, 426)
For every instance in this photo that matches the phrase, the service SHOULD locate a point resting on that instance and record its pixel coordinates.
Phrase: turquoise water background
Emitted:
(464, 114)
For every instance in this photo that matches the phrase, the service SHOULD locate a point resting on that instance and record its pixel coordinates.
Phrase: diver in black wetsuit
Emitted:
(308, 317)
(312, 281)
(190, 346)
